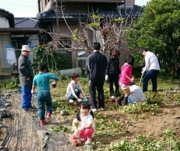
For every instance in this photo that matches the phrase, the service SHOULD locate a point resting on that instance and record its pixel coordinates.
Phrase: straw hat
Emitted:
(25, 48)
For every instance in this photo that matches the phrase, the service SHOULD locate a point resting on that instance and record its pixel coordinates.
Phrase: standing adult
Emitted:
(151, 68)
(126, 77)
(25, 77)
(97, 65)
(113, 72)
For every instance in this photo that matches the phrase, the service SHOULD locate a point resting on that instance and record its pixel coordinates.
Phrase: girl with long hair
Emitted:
(83, 125)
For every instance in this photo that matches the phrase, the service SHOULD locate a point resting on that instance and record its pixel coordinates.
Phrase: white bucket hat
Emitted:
(25, 48)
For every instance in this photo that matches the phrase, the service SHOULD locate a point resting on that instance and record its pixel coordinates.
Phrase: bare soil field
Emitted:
(23, 129)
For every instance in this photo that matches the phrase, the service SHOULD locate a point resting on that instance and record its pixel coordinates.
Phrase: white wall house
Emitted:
(4, 41)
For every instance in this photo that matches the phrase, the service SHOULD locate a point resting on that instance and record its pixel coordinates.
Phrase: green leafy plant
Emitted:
(60, 105)
(103, 125)
(119, 20)
(143, 143)
(14, 83)
(95, 21)
(61, 128)
(138, 108)
(157, 29)
(74, 35)
(54, 59)
(94, 25)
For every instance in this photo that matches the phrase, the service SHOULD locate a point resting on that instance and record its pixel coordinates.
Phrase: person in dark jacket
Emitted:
(26, 77)
(97, 65)
(113, 72)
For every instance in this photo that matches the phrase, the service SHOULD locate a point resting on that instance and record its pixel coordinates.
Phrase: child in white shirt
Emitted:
(74, 90)
(83, 125)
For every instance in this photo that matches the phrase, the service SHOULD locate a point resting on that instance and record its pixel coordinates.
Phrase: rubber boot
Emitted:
(125, 100)
(120, 100)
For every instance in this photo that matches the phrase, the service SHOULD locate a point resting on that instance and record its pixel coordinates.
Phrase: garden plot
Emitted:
(147, 126)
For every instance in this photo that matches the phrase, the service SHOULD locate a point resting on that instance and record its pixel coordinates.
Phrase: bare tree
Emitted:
(108, 30)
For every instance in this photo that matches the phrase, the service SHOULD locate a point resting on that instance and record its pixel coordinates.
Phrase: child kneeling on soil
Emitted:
(84, 119)
(41, 80)
(74, 90)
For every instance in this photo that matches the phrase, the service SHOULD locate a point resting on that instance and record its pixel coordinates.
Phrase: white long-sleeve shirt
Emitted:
(151, 62)
(72, 86)
(85, 121)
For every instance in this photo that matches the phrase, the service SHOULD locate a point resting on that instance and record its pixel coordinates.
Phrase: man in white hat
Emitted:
(25, 77)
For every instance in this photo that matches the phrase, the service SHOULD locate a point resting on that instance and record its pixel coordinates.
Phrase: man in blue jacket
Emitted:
(97, 64)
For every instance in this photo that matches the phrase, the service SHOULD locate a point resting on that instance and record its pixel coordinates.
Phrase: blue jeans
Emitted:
(26, 97)
(70, 96)
(151, 74)
(44, 98)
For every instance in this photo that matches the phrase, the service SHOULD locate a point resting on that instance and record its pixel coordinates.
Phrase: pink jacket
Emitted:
(126, 70)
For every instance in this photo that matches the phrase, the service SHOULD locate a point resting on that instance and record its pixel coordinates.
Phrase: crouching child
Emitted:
(83, 125)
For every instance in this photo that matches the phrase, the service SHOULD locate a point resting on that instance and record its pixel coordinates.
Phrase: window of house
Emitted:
(65, 42)
(4, 23)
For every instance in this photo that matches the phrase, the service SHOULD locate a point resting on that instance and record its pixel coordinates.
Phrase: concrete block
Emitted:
(69, 72)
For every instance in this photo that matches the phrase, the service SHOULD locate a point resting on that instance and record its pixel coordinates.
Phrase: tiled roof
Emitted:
(8, 15)
(132, 11)
(25, 22)
(50, 15)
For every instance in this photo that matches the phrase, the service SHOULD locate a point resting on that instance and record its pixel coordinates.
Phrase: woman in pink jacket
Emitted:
(125, 78)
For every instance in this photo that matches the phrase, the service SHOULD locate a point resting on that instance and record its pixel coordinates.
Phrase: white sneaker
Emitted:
(71, 101)
(94, 110)
(112, 97)
(101, 109)
(26, 110)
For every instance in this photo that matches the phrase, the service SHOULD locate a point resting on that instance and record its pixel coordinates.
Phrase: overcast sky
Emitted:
(28, 8)
(141, 2)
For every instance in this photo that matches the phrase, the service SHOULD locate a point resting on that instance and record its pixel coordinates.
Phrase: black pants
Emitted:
(113, 79)
(93, 85)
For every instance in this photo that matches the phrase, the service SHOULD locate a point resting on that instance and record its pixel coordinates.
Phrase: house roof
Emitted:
(104, 11)
(120, 11)
(20, 30)
(120, 2)
(8, 15)
(23, 25)
(25, 22)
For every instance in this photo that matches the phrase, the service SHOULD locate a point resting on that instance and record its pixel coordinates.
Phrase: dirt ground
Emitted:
(24, 132)
(167, 117)
(22, 129)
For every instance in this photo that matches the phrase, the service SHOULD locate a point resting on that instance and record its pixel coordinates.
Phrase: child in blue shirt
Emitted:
(41, 81)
